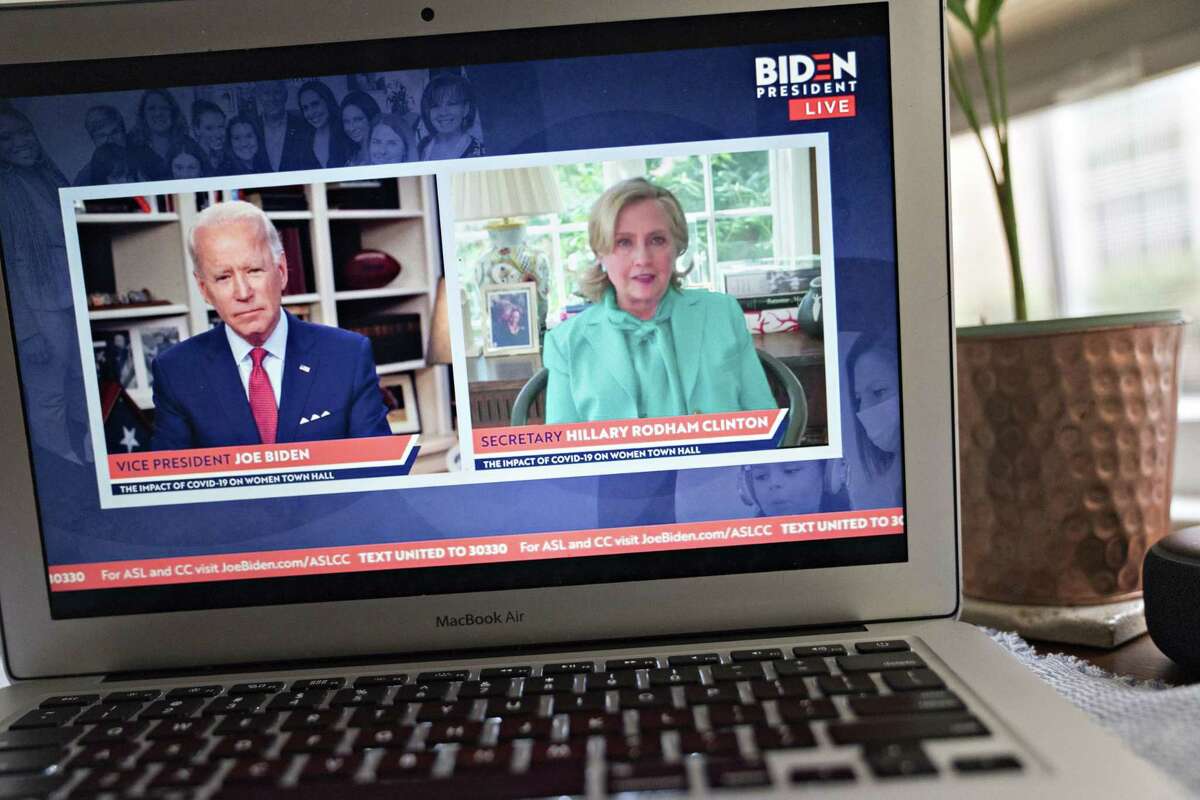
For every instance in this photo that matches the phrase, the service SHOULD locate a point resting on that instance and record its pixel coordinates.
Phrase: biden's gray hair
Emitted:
(234, 211)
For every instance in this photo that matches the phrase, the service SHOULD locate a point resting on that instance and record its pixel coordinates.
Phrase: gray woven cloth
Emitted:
(1160, 723)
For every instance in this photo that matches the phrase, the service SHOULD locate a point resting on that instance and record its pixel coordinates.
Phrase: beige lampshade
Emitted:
(523, 192)
(439, 329)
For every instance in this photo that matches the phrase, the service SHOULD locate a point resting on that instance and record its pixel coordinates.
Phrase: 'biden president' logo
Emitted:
(816, 85)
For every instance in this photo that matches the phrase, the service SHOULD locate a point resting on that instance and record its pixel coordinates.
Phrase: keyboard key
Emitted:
(318, 684)
(645, 698)
(482, 759)
(557, 752)
(237, 704)
(784, 737)
(495, 673)
(178, 708)
(372, 717)
(906, 729)
(800, 668)
(640, 748)
(534, 728)
(551, 684)
(696, 660)
(591, 701)
(137, 696)
(584, 724)
(443, 676)
(259, 772)
(711, 743)
(67, 700)
(108, 712)
(34, 738)
(435, 712)
(313, 742)
(454, 732)
(746, 671)
(46, 718)
(722, 693)
(370, 681)
(291, 701)
(911, 703)
(423, 692)
(619, 664)
(806, 710)
(96, 756)
(726, 716)
(990, 763)
(389, 738)
(173, 750)
(675, 676)
(484, 688)
(761, 654)
(358, 697)
(183, 775)
(569, 668)
(331, 768)
(103, 781)
(878, 662)
(737, 774)
(882, 646)
(775, 690)
(898, 760)
(179, 729)
(808, 776)
(645, 776)
(818, 650)
(243, 746)
(665, 719)
(260, 687)
(194, 691)
(846, 684)
(399, 766)
(310, 720)
(601, 681)
(114, 732)
(16, 762)
(513, 706)
(912, 680)
(236, 724)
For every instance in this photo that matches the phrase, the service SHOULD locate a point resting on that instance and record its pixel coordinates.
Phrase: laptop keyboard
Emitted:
(551, 729)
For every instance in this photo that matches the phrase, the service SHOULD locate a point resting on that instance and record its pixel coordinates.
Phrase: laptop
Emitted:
(502, 401)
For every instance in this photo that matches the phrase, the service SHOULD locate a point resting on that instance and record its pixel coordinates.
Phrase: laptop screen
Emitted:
(452, 314)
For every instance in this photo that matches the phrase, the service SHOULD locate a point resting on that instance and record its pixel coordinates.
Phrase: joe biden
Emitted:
(262, 376)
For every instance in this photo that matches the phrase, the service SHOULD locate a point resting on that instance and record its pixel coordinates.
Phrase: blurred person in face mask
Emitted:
(874, 393)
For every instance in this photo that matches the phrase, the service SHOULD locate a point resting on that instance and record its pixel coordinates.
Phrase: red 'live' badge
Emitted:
(821, 107)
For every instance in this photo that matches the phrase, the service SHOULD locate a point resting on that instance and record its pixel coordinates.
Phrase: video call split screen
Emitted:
(405, 310)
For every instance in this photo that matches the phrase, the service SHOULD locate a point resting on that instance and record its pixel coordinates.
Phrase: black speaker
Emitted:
(1171, 583)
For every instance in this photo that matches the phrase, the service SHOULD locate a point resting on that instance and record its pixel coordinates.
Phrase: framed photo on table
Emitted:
(400, 397)
(510, 317)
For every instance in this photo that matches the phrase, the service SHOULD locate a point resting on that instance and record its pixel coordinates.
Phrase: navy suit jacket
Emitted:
(199, 400)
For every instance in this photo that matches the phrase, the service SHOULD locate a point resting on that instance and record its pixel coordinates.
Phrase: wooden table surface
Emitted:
(1138, 658)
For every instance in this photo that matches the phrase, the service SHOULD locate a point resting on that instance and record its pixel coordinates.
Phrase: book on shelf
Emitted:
(771, 301)
(118, 205)
(364, 195)
(394, 337)
(293, 252)
(277, 198)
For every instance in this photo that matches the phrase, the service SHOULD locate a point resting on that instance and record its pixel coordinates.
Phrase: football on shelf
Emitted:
(369, 269)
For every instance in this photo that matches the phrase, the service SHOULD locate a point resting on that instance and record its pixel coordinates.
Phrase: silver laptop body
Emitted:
(913, 600)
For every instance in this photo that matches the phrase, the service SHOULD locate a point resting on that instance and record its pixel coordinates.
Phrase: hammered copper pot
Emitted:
(1066, 448)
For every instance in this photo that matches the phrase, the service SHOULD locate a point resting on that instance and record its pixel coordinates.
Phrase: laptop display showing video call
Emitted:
(390, 321)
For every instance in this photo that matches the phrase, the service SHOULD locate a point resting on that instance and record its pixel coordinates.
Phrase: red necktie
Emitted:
(262, 398)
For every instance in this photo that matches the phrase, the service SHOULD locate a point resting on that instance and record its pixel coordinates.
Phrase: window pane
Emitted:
(696, 257)
(580, 185)
(744, 238)
(683, 176)
(741, 180)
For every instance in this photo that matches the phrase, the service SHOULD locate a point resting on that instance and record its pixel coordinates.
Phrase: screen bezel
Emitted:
(36, 645)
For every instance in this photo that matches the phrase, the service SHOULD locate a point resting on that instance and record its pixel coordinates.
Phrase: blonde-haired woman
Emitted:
(648, 347)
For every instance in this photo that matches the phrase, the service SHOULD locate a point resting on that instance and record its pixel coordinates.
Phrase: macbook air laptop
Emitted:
(512, 400)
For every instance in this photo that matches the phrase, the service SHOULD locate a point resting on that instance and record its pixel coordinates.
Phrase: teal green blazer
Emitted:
(592, 377)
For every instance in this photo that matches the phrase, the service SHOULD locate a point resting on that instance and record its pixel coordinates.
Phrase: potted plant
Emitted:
(1066, 426)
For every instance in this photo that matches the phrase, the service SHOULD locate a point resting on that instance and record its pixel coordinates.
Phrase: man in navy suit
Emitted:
(261, 376)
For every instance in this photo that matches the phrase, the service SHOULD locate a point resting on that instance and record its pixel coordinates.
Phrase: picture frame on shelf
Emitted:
(400, 397)
(510, 316)
(126, 350)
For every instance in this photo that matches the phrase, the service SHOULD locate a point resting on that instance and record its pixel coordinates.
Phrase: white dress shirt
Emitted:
(276, 347)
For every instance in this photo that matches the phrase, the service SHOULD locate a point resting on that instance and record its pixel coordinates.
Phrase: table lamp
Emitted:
(503, 197)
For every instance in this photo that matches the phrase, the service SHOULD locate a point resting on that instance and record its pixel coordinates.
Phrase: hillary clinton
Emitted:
(647, 347)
